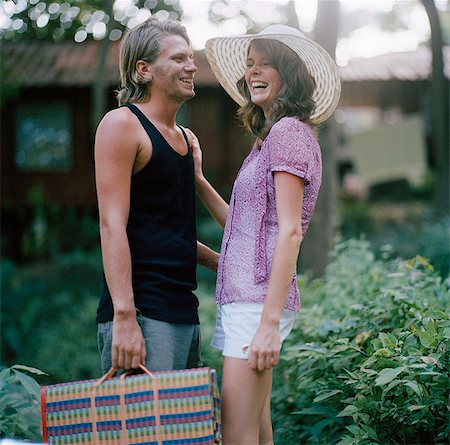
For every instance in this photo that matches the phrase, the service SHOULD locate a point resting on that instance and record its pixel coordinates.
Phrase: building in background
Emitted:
(47, 134)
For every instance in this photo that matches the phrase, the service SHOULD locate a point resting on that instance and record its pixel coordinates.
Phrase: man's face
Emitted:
(174, 69)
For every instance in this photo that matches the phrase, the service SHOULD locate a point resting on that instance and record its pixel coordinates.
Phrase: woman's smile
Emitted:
(263, 80)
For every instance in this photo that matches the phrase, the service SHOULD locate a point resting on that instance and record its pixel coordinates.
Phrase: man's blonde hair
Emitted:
(142, 43)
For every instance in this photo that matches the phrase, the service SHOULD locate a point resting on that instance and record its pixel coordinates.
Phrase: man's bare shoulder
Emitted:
(119, 117)
(118, 132)
(119, 127)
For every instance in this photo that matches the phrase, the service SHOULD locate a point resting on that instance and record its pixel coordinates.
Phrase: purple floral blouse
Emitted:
(251, 229)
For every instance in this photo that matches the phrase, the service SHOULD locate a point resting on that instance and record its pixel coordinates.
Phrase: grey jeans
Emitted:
(169, 345)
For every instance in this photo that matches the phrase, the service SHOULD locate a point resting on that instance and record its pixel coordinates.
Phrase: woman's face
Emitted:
(263, 80)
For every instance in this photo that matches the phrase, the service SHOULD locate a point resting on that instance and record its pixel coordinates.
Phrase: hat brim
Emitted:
(227, 57)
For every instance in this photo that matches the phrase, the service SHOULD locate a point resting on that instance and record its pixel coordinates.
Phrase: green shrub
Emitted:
(411, 229)
(48, 316)
(41, 230)
(20, 403)
(368, 362)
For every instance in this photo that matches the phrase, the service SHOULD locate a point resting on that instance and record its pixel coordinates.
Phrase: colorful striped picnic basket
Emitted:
(161, 408)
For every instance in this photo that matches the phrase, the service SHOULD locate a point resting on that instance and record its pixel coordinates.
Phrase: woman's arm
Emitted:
(207, 257)
(265, 350)
(215, 204)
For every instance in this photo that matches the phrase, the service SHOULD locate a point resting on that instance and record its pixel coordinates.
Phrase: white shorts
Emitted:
(236, 325)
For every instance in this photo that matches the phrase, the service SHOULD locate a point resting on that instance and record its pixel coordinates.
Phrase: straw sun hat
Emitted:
(227, 56)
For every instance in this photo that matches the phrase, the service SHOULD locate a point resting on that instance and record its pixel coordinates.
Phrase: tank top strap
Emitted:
(146, 123)
(185, 136)
(150, 127)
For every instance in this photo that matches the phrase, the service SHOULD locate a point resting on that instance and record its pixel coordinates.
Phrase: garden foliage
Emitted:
(48, 316)
(368, 362)
(20, 403)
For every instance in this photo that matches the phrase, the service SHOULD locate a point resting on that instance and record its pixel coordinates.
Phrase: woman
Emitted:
(285, 84)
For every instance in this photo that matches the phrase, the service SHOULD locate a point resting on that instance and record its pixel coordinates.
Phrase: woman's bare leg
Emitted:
(244, 396)
(265, 426)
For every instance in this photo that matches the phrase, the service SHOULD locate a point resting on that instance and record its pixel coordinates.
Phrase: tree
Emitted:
(81, 20)
(100, 87)
(323, 227)
(440, 111)
(251, 15)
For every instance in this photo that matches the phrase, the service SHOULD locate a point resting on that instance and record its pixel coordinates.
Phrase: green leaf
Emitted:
(392, 384)
(369, 371)
(348, 411)
(364, 417)
(429, 360)
(446, 333)
(415, 387)
(388, 374)
(29, 369)
(4, 374)
(311, 347)
(327, 394)
(418, 366)
(416, 407)
(347, 440)
(430, 373)
(370, 431)
(351, 374)
(30, 385)
(388, 340)
(431, 328)
(340, 348)
(439, 314)
(383, 352)
(319, 426)
(426, 339)
(342, 341)
(370, 361)
(355, 430)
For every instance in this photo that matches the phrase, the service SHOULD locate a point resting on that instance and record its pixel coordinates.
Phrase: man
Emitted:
(145, 186)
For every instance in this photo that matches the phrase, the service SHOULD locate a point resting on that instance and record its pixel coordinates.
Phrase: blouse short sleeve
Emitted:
(292, 148)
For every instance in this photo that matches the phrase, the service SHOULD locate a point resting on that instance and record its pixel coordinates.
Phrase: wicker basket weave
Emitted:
(151, 408)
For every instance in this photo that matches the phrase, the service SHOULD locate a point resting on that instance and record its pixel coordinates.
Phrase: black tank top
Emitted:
(162, 235)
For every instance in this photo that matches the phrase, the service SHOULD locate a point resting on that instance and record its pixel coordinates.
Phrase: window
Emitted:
(44, 137)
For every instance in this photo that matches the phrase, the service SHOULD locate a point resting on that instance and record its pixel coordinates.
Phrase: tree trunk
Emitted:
(292, 18)
(319, 240)
(100, 85)
(440, 112)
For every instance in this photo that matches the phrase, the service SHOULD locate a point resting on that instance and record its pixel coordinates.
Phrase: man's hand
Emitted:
(128, 345)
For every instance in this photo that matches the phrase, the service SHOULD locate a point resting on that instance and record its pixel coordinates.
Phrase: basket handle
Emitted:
(110, 374)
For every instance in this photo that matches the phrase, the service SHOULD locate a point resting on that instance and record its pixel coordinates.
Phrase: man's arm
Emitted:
(116, 148)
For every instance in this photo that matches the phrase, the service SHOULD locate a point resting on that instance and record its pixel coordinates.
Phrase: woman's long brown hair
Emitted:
(295, 98)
